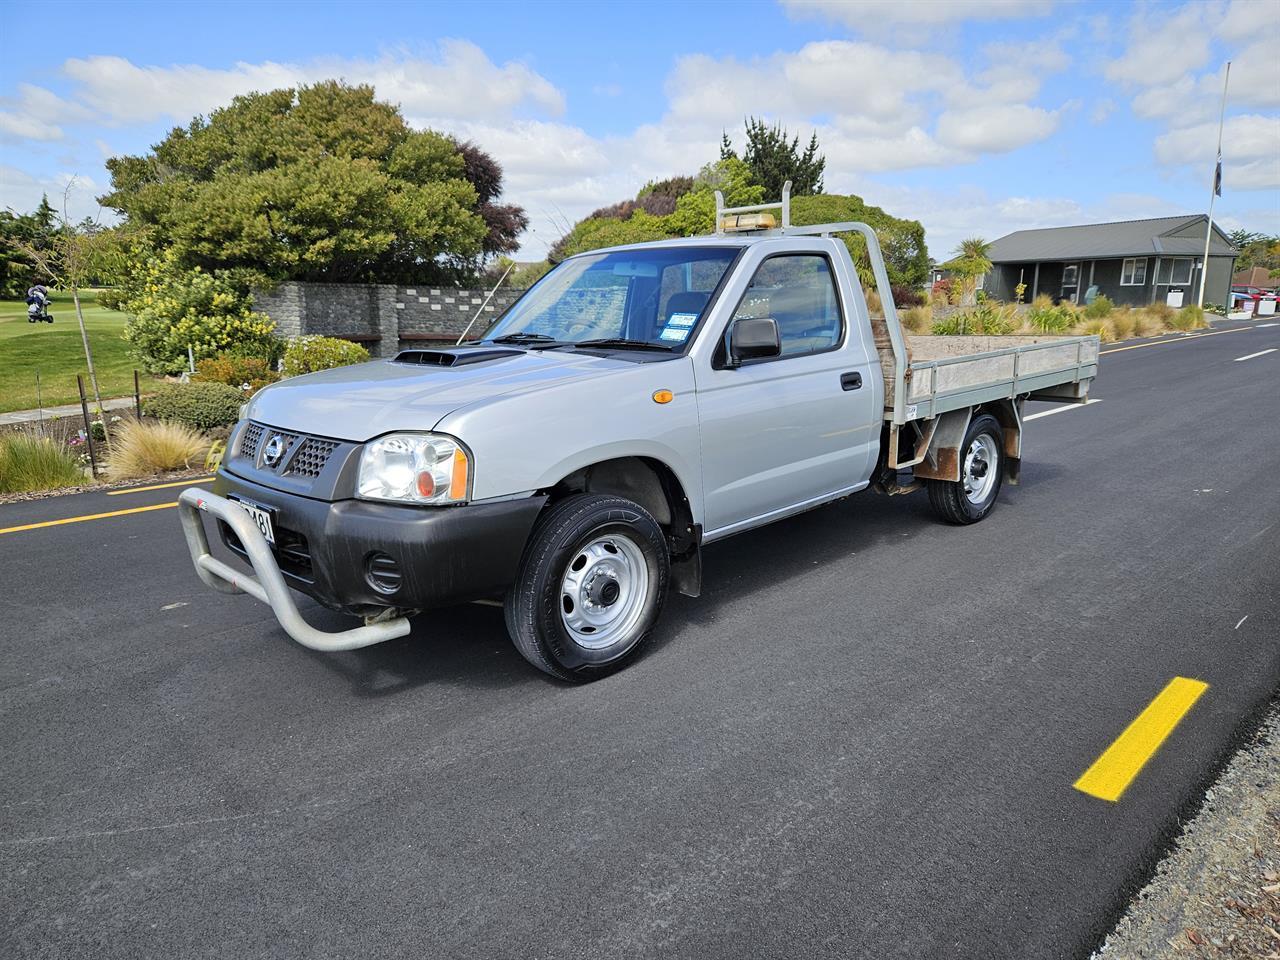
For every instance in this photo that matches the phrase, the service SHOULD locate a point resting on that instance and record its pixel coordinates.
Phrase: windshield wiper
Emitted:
(624, 343)
(523, 337)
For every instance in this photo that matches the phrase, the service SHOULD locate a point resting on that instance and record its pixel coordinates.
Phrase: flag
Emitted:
(1217, 177)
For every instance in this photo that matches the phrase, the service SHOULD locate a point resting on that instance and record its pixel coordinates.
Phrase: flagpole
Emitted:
(1214, 190)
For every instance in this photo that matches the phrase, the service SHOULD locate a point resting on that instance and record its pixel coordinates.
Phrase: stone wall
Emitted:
(440, 314)
(383, 317)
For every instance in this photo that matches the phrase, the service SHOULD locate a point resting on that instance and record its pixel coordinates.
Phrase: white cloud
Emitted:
(868, 14)
(1246, 19)
(1250, 150)
(35, 114)
(1102, 109)
(1164, 44)
(20, 191)
(875, 108)
(996, 129)
(459, 79)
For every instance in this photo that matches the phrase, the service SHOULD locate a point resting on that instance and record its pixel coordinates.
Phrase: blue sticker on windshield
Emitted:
(682, 320)
(678, 334)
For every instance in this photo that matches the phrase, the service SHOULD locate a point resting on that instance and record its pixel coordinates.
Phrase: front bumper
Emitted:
(441, 555)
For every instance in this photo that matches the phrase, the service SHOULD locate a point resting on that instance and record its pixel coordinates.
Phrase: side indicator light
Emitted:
(458, 485)
(663, 396)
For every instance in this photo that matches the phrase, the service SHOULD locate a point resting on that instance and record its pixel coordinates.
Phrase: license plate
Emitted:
(261, 519)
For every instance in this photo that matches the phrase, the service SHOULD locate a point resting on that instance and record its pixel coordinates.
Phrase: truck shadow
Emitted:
(467, 645)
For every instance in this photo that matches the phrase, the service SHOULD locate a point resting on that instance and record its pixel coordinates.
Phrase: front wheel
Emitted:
(972, 497)
(590, 587)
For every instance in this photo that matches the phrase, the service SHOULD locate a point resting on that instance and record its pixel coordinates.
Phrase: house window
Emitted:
(1133, 272)
(1175, 270)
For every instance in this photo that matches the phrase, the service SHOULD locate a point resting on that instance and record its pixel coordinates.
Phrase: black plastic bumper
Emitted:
(422, 557)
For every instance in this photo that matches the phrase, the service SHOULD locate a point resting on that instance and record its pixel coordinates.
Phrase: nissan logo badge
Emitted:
(273, 451)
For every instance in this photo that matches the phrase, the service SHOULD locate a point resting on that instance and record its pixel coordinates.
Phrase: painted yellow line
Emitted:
(159, 486)
(1162, 343)
(1112, 772)
(92, 516)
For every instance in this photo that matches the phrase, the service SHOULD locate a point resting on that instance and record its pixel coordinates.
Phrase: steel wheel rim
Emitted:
(981, 462)
(603, 591)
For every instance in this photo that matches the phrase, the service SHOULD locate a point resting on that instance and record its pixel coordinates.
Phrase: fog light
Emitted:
(382, 573)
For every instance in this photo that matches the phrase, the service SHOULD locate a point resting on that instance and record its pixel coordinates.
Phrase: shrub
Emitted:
(1122, 323)
(309, 354)
(952, 326)
(941, 291)
(1189, 317)
(30, 462)
(1144, 324)
(1161, 311)
(145, 447)
(1099, 328)
(199, 405)
(874, 306)
(987, 319)
(1100, 307)
(174, 308)
(905, 296)
(916, 319)
(250, 374)
(1047, 318)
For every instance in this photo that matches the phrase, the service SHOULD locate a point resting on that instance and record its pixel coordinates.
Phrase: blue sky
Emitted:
(976, 117)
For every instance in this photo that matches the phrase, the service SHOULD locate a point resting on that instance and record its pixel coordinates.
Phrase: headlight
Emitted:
(414, 468)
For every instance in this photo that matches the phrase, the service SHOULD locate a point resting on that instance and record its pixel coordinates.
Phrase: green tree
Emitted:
(902, 242)
(773, 159)
(693, 211)
(19, 233)
(1258, 250)
(322, 182)
(970, 261)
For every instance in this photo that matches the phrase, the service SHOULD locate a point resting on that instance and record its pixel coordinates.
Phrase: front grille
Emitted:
(311, 457)
(250, 439)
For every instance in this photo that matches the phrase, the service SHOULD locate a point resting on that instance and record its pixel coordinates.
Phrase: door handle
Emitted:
(851, 381)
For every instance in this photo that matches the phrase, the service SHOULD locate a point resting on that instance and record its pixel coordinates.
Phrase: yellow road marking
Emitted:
(158, 486)
(1161, 343)
(1112, 772)
(92, 516)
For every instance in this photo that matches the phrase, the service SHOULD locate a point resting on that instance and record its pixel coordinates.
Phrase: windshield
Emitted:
(652, 298)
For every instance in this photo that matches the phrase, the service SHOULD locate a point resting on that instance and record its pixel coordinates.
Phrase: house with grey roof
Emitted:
(1133, 262)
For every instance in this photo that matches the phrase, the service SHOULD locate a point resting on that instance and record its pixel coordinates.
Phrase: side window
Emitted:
(799, 293)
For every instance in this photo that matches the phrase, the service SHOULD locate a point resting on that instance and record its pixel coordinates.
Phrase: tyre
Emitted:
(973, 496)
(590, 587)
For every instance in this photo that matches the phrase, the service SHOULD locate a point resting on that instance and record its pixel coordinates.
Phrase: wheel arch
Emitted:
(654, 485)
(942, 461)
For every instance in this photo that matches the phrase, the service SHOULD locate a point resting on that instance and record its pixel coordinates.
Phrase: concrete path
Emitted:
(63, 411)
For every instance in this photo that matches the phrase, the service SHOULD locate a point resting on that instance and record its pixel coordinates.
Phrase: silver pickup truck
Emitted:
(635, 404)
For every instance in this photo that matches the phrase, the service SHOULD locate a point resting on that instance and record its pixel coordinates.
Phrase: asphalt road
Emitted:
(859, 742)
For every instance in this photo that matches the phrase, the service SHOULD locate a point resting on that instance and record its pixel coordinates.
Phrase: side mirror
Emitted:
(753, 339)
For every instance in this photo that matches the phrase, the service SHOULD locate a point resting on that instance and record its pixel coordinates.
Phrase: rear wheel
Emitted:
(973, 496)
(590, 587)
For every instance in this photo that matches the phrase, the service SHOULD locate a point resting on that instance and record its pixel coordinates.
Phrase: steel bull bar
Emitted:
(268, 586)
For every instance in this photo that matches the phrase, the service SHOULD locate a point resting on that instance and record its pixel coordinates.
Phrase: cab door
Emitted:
(784, 431)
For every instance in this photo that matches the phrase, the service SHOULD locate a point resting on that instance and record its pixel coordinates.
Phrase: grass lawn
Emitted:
(56, 351)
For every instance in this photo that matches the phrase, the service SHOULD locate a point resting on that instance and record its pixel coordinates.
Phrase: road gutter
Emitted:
(1217, 893)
